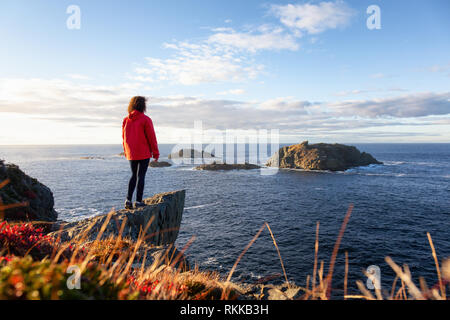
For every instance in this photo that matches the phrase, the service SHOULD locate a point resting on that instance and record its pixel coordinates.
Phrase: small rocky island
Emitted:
(153, 164)
(159, 164)
(320, 156)
(190, 153)
(225, 166)
(92, 158)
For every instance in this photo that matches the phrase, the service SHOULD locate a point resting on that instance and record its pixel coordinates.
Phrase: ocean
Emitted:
(395, 205)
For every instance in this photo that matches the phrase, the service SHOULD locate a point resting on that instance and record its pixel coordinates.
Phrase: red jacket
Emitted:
(139, 139)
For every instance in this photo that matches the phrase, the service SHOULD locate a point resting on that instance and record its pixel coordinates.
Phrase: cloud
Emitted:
(63, 98)
(264, 38)
(368, 91)
(406, 106)
(231, 92)
(76, 76)
(439, 68)
(314, 18)
(226, 55)
(91, 106)
(285, 104)
(193, 64)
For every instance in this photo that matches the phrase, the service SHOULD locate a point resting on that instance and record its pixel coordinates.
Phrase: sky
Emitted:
(313, 70)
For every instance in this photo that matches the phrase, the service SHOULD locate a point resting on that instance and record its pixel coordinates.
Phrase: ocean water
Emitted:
(395, 205)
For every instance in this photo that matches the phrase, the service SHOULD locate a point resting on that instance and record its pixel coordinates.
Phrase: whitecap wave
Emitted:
(210, 261)
(202, 206)
(394, 163)
(79, 213)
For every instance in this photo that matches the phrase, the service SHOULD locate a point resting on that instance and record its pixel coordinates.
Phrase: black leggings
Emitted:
(138, 169)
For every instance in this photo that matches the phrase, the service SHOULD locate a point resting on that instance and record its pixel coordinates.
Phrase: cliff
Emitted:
(21, 188)
(164, 210)
(320, 156)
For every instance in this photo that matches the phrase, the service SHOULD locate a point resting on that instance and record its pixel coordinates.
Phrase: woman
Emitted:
(139, 145)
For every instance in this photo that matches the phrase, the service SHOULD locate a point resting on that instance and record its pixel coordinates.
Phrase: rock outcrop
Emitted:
(320, 156)
(92, 158)
(159, 164)
(164, 212)
(22, 188)
(190, 153)
(285, 291)
(224, 166)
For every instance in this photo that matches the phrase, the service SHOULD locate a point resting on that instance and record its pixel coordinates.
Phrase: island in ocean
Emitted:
(320, 156)
(159, 164)
(190, 153)
(215, 166)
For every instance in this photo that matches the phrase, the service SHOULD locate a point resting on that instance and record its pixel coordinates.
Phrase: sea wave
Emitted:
(78, 213)
(394, 163)
(202, 206)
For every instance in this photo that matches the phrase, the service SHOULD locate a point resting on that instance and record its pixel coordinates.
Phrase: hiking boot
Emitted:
(128, 205)
(139, 204)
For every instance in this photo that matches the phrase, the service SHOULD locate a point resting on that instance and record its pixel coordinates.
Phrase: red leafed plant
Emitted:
(149, 287)
(5, 259)
(24, 238)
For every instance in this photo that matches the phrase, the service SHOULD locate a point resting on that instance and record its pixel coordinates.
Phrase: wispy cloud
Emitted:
(314, 18)
(265, 37)
(231, 92)
(406, 106)
(193, 64)
(437, 68)
(76, 76)
(228, 54)
(368, 91)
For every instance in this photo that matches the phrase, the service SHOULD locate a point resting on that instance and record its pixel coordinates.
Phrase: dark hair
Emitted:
(137, 103)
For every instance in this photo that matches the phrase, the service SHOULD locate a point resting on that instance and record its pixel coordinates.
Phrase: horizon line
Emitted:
(163, 143)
